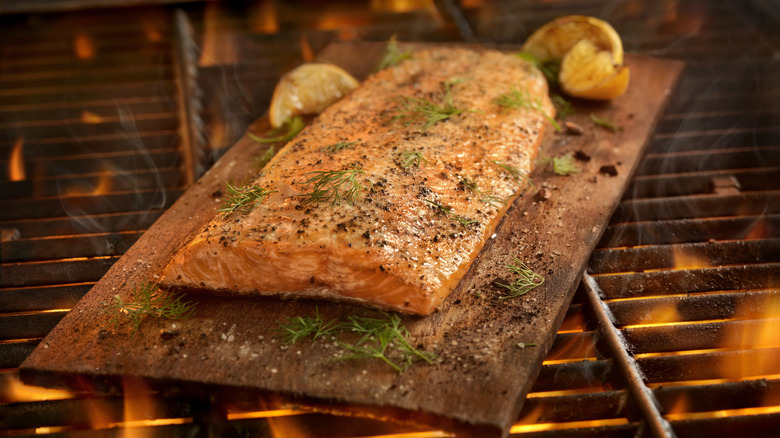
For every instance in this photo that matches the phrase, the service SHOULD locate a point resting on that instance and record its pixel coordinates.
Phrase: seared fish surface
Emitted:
(379, 201)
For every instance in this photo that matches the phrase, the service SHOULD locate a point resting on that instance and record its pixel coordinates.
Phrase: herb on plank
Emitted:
(550, 70)
(604, 123)
(441, 209)
(564, 165)
(285, 133)
(148, 299)
(335, 147)
(302, 327)
(519, 98)
(516, 173)
(563, 108)
(527, 280)
(393, 55)
(413, 158)
(334, 186)
(384, 339)
(243, 199)
(417, 109)
(264, 158)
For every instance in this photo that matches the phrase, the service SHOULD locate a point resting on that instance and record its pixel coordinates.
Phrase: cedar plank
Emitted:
(480, 382)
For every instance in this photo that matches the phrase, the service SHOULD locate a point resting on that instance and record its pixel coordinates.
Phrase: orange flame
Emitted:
(83, 46)
(19, 392)
(401, 5)
(759, 337)
(685, 258)
(266, 20)
(16, 162)
(90, 118)
(153, 34)
(680, 405)
(759, 230)
(219, 45)
(285, 427)
(103, 186)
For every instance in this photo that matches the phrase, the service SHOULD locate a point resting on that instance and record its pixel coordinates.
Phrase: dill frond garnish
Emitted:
(148, 299)
(550, 70)
(527, 279)
(445, 210)
(470, 184)
(520, 99)
(285, 133)
(516, 173)
(385, 339)
(414, 109)
(494, 201)
(334, 186)
(335, 147)
(302, 327)
(243, 199)
(604, 123)
(563, 108)
(413, 158)
(393, 55)
(264, 158)
(564, 165)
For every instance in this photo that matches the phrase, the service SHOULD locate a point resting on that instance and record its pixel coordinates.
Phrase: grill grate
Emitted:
(688, 267)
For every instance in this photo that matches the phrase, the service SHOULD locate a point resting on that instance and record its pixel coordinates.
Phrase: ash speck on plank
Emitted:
(610, 170)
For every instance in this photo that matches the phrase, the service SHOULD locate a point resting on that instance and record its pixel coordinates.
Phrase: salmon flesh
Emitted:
(389, 195)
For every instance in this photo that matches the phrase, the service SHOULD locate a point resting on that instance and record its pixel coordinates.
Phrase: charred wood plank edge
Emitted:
(480, 384)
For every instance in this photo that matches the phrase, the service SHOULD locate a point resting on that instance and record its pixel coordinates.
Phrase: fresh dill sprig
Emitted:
(413, 158)
(302, 327)
(516, 173)
(243, 199)
(393, 55)
(563, 108)
(564, 165)
(550, 70)
(494, 201)
(334, 186)
(470, 184)
(264, 158)
(441, 209)
(335, 147)
(417, 109)
(148, 299)
(519, 98)
(527, 279)
(604, 123)
(385, 339)
(286, 132)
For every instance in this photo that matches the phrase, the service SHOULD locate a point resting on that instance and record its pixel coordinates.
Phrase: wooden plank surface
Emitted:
(483, 374)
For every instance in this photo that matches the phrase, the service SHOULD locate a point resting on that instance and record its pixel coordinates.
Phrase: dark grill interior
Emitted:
(106, 116)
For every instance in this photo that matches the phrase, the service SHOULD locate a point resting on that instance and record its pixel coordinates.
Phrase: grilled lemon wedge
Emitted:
(589, 52)
(308, 89)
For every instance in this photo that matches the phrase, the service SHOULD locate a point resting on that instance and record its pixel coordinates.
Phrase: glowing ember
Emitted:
(83, 46)
(285, 427)
(306, 51)
(90, 118)
(16, 162)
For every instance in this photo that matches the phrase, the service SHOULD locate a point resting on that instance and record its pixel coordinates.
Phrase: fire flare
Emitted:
(16, 170)
(83, 46)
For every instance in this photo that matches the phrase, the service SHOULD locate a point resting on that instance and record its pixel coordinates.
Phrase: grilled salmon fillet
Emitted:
(389, 195)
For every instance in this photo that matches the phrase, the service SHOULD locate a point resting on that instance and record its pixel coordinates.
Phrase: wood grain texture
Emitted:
(479, 384)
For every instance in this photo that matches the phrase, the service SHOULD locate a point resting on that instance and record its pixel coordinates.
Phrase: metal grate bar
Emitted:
(648, 405)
